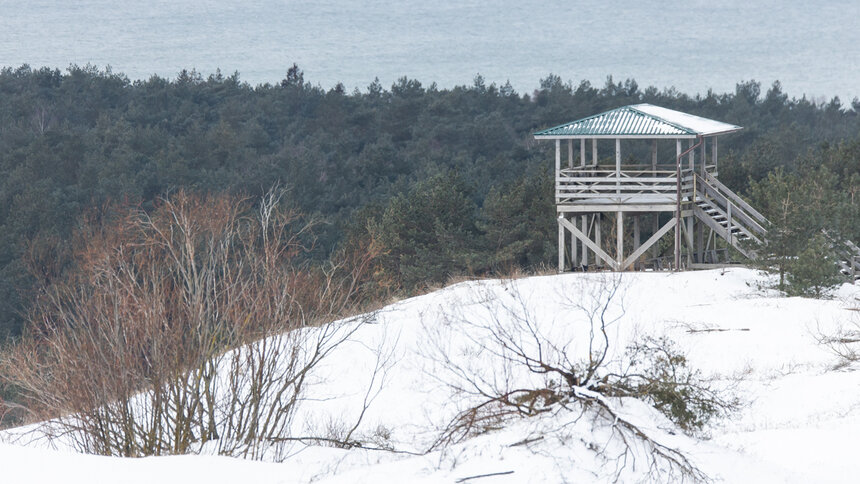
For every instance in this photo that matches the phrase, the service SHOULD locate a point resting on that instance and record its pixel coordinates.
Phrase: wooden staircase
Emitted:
(727, 214)
(737, 222)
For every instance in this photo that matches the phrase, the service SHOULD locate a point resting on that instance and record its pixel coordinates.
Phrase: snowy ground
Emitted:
(799, 421)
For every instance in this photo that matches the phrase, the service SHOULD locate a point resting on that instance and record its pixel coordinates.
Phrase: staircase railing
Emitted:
(740, 202)
(738, 212)
(727, 213)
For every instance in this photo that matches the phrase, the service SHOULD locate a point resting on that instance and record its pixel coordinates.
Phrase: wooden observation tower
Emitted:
(650, 192)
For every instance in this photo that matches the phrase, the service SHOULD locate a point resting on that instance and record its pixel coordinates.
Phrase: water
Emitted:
(693, 45)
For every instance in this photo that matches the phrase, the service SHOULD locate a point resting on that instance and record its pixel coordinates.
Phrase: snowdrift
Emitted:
(799, 418)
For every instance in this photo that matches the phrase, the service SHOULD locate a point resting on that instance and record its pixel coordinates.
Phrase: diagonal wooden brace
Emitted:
(648, 243)
(588, 242)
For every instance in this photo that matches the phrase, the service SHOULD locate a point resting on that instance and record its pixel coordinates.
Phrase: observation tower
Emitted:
(667, 182)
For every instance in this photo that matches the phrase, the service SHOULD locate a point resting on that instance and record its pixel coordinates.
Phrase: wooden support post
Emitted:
(691, 251)
(584, 247)
(692, 160)
(582, 152)
(691, 220)
(619, 244)
(570, 153)
(619, 218)
(618, 166)
(729, 222)
(560, 245)
(654, 156)
(655, 225)
(714, 154)
(678, 216)
(700, 241)
(584, 217)
(574, 244)
(597, 228)
(689, 238)
(557, 158)
(699, 226)
(635, 233)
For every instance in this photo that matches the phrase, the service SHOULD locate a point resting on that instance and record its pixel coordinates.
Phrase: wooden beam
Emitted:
(613, 136)
(614, 207)
(585, 240)
(648, 243)
(574, 245)
(598, 231)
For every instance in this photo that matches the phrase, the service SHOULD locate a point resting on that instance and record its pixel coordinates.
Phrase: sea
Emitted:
(811, 47)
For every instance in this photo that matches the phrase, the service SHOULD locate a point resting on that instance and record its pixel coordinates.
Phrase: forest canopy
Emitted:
(449, 181)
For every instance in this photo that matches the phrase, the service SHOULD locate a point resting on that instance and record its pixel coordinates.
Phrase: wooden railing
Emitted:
(599, 185)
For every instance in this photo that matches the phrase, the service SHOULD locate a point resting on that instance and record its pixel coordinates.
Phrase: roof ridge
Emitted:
(662, 119)
(584, 119)
(628, 108)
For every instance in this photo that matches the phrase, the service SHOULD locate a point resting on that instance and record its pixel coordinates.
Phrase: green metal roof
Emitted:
(639, 121)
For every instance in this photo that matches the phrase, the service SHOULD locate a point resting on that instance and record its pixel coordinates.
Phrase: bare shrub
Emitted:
(844, 343)
(194, 324)
(509, 360)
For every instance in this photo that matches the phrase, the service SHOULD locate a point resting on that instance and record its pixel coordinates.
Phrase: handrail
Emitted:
(624, 168)
(735, 198)
(731, 214)
(624, 173)
(739, 214)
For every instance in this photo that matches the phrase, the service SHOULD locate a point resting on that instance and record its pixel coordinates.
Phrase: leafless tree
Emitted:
(196, 324)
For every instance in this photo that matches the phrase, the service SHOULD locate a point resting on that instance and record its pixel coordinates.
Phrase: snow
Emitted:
(697, 124)
(799, 420)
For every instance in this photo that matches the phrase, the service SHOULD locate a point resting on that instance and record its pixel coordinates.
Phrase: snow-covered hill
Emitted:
(799, 420)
